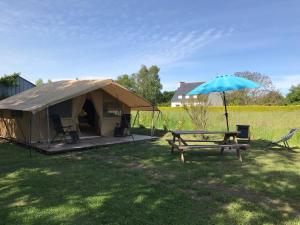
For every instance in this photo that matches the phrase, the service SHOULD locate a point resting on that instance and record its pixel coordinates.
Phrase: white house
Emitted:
(180, 97)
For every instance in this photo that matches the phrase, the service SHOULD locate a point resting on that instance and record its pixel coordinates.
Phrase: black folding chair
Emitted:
(123, 129)
(284, 140)
(63, 130)
(243, 132)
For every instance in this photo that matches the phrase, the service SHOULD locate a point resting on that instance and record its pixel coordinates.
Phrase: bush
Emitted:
(197, 111)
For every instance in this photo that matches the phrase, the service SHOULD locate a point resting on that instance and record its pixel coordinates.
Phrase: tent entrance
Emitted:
(88, 119)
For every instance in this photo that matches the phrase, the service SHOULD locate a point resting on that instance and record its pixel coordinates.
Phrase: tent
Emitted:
(96, 103)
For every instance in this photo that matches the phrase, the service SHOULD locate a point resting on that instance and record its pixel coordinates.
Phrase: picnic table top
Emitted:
(179, 132)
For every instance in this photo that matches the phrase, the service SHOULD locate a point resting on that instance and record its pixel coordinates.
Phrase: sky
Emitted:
(190, 40)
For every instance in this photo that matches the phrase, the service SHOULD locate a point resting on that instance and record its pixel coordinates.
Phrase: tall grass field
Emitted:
(266, 122)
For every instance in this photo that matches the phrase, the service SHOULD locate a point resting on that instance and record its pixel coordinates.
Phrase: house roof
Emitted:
(21, 85)
(184, 89)
(22, 78)
(39, 98)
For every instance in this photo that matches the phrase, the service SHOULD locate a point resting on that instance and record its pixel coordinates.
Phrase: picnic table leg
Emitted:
(172, 148)
(222, 150)
(238, 154)
(180, 149)
(182, 155)
(179, 142)
(225, 141)
(234, 139)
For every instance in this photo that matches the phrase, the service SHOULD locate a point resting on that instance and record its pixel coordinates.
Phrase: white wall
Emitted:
(176, 104)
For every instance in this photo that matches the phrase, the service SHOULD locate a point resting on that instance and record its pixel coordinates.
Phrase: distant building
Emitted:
(22, 85)
(180, 97)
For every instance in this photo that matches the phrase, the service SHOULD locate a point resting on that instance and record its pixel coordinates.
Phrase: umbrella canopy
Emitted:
(224, 83)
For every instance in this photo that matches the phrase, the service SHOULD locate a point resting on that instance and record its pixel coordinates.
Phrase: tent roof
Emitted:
(39, 98)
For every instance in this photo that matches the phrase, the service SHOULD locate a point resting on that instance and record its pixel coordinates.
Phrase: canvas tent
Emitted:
(25, 116)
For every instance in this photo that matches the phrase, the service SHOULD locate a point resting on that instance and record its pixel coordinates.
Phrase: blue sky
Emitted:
(189, 40)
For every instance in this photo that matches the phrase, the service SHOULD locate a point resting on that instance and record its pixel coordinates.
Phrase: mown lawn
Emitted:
(145, 184)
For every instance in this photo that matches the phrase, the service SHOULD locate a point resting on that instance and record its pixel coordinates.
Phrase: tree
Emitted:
(127, 81)
(294, 95)
(254, 96)
(148, 83)
(39, 82)
(9, 79)
(272, 98)
(145, 82)
(165, 97)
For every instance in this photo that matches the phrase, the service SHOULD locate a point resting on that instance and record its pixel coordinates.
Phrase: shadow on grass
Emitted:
(266, 145)
(147, 131)
(145, 184)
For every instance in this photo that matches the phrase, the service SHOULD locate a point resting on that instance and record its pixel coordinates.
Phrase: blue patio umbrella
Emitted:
(221, 84)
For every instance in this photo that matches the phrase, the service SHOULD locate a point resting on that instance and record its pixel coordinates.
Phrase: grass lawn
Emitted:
(145, 184)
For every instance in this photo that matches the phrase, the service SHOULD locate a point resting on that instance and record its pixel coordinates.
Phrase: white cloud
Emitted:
(167, 50)
(82, 77)
(284, 82)
(98, 39)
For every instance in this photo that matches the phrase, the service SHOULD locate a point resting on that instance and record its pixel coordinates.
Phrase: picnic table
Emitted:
(229, 141)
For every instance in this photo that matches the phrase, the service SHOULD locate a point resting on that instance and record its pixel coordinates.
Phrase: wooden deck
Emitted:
(90, 142)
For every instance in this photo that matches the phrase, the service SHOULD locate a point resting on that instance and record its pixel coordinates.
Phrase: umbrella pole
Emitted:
(226, 113)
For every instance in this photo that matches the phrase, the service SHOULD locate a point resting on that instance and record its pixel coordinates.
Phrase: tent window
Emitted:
(63, 109)
(16, 113)
(112, 109)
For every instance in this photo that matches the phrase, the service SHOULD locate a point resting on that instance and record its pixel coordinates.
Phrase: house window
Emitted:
(179, 96)
(195, 96)
(187, 96)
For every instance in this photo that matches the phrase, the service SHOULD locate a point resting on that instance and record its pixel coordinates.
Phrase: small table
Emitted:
(183, 144)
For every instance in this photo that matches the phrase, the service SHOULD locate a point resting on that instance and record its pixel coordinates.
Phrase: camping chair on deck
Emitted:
(123, 129)
(284, 140)
(63, 130)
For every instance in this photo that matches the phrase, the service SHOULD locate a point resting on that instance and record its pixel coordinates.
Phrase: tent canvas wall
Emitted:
(25, 117)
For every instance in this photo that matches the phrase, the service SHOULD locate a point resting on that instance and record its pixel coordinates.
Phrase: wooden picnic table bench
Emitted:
(226, 143)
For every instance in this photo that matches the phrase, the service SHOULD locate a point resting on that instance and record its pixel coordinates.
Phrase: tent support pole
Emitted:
(159, 112)
(152, 122)
(38, 122)
(226, 113)
(48, 127)
(136, 115)
(157, 118)
(30, 121)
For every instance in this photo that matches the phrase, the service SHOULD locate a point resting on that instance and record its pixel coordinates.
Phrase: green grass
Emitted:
(267, 122)
(145, 184)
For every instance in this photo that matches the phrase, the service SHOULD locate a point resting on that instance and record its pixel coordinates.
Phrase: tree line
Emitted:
(146, 83)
